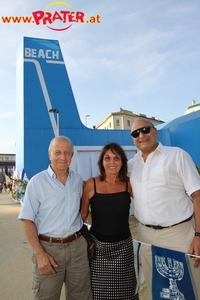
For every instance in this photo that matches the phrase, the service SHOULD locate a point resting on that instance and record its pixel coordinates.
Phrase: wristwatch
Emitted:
(197, 234)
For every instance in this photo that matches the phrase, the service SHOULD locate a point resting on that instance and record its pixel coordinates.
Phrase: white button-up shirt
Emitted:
(52, 206)
(161, 185)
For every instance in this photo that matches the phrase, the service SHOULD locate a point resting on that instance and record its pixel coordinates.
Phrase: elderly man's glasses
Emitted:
(144, 130)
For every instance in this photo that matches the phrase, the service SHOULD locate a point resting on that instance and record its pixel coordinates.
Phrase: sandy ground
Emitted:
(15, 254)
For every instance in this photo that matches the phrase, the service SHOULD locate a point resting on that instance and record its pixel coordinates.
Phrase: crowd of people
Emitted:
(98, 263)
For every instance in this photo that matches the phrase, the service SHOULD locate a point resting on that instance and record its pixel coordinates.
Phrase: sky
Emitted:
(142, 56)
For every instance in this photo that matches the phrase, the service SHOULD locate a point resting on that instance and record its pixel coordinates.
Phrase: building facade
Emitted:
(7, 164)
(123, 119)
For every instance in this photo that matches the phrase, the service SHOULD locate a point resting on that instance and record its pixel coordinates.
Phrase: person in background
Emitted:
(2, 181)
(108, 196)
(5, 187)
(52, 223)
(164, 180)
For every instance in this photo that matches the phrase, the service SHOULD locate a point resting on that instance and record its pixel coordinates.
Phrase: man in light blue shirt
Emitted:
(52, 223)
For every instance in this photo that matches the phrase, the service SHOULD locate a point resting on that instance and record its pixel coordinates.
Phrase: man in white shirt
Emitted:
(164, 181)
(52, 223)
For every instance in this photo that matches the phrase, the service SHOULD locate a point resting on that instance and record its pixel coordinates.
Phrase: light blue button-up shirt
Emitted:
(52, 206)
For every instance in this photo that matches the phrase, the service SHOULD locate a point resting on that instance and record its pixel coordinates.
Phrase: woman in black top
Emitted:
(108, 196)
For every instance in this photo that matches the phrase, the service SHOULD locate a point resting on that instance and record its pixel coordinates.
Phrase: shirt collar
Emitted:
(159, 148)
(53, 175)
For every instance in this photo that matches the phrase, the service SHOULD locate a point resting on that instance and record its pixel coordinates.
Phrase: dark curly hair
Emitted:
(116, 149)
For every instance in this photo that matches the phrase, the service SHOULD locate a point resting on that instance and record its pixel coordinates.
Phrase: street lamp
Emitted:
(55, 110)
(86, 119)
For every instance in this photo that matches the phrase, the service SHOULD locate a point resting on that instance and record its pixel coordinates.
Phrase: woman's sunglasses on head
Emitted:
(144, 130)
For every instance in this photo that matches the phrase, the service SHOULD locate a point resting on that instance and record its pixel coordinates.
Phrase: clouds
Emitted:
(141, 54)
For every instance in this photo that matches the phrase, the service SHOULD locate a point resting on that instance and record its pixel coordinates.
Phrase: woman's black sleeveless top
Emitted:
(110, 215)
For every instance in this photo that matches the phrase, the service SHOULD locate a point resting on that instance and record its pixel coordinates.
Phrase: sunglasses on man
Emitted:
(144, 130)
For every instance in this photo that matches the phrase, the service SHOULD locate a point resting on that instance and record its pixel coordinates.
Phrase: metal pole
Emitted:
(86, 119)
(58, 123)
(55, 110)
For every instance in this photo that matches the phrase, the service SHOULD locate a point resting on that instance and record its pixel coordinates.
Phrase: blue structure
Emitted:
(183, 132)
(43, 84)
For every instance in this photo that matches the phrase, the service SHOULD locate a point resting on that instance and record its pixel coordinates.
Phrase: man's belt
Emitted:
(161, 227)
(69, 239)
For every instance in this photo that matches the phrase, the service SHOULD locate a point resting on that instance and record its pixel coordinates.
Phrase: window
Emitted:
(109, 124)
(128, 123)
(117, 122)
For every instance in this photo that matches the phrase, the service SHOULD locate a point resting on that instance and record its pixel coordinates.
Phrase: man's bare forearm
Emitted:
(32, 236)
(196, 203)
